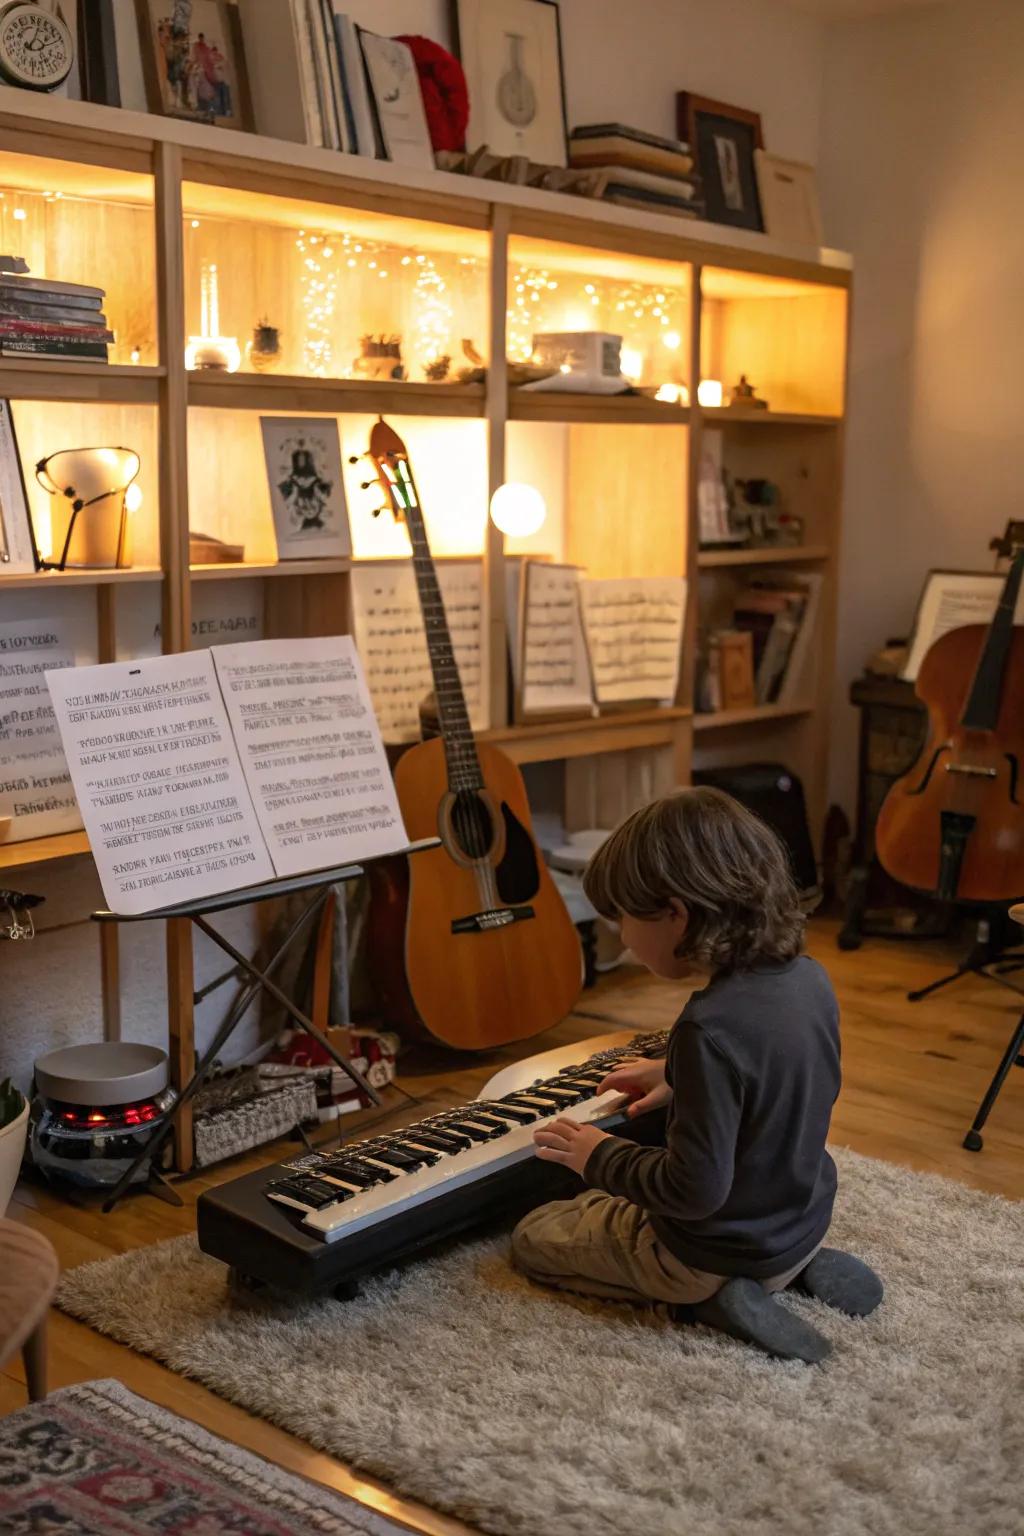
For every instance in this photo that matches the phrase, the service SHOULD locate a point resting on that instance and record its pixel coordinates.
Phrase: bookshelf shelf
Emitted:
(278, 392)
(106, 383)
(53, 581)
(609, 410)
(42, 850)
(800, 554)
(758, 714)
(544, 741)
(235, 570)
(731, 416)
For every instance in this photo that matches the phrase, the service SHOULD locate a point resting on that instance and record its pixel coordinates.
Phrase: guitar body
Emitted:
(962, 776)
(477, 988)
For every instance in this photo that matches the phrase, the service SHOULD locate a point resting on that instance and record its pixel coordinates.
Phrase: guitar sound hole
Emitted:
(472, 824)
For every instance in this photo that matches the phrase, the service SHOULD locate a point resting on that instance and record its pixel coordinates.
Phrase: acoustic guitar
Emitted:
(954, 825)
(471, 941)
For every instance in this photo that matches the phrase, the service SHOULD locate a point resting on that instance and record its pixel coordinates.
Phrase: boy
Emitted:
(737, 1203)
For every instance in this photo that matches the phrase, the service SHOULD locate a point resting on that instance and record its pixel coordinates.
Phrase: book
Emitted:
(72, 291)
(217, 769)
(17, 327)
(97, 39)
(625, 176)
(131, 83)
(636, 135)
(326, 106)
(330, 37)
(797, 680)
(639, 197)
(47, 348)
(640, 157)
(35, 313)
(281, 80)
(356, 92)
(396, 100)
(777, 614)
(13, 292)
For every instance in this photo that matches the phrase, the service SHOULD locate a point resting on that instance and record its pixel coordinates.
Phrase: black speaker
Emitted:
(777, 796)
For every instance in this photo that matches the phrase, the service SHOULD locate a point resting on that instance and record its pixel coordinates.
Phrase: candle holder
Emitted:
(210, 350)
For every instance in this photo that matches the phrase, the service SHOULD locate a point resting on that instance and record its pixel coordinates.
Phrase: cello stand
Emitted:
(989, 957)
(1013, 1055)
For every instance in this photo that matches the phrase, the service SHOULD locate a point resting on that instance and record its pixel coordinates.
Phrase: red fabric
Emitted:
(445, 93)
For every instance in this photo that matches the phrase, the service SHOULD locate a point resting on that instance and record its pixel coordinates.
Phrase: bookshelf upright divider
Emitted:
(620, 474)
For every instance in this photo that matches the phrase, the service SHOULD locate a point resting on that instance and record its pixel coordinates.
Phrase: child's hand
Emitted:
(566, 1141)
(644, 1081)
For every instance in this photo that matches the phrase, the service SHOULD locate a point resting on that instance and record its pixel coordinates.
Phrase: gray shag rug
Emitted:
(524, 1411)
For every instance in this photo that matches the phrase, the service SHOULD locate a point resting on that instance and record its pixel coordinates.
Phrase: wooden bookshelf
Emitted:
(150, 199)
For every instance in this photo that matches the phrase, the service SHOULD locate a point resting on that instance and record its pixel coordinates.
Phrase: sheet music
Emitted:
(392, 643)
(159, 783)
(952, 600)
(310, 751)
(634, 630)
(35, 784)
(549, 652)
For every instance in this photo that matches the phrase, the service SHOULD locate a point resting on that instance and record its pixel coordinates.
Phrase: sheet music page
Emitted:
(35, 784)
(554, 667)
(951, 600)
(392, 642)
(310, 751)
(158, 780)
(634, 630)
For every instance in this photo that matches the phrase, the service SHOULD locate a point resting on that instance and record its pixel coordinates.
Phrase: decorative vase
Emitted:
(263, 352)
(12, 1149)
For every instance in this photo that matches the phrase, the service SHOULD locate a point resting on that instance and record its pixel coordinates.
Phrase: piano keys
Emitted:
(319, 1221)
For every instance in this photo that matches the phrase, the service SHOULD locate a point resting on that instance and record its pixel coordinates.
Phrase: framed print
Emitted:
(511, 52)
(723, 140)
(789, 199)
(193, 61)
(17, 544)
(307, 493)
(397, 100)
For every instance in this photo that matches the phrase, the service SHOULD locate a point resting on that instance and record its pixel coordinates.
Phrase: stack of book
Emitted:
(780, 616)
(42, 318)
(643, 170)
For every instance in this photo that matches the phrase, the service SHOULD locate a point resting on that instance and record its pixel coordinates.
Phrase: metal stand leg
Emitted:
(973, 1141)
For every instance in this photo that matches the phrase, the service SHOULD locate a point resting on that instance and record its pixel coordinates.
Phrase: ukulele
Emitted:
(954, 824)
(470, 942)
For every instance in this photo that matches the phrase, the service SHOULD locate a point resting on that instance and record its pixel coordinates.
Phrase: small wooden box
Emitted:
(735, 669)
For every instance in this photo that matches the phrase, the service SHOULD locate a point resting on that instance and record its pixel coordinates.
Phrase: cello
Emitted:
(954, 824)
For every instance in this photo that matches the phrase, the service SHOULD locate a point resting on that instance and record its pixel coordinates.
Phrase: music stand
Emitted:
(319, 882)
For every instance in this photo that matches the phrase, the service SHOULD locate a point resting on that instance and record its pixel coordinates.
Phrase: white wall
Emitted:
(923, 119)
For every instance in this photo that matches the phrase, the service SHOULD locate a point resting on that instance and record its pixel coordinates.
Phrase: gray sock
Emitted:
(744, 1310)
(842, 1281)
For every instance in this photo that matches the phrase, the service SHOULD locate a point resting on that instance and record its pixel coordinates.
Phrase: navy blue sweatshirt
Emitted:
(743, 1185)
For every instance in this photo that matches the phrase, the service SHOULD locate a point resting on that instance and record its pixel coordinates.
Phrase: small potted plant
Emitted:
(13, 1132)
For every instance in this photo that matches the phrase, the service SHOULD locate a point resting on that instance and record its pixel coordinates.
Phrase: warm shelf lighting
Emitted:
(518, 509)
(673, 394)
(709, 392)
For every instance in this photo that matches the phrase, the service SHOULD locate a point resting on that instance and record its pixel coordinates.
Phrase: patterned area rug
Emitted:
(524, 1411)
(95, 1460)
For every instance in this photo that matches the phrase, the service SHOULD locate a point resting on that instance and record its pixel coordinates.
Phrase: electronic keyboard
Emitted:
(318, 1222)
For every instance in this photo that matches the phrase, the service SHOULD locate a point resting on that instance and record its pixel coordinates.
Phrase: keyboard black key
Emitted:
(495, 1122)
(557, 1100)
(377, 1174)
(402, 1160)
(454, 1140)
(411, 1146)
(514, 1112)
(345, 1168)
(438, 1141)
(473, 1131)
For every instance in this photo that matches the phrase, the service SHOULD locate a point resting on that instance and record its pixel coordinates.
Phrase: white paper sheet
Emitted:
(634, 630)
(550, 661)
(158, 780)
(392, 643)
(311, 751)
(35, 784)
(951, 600)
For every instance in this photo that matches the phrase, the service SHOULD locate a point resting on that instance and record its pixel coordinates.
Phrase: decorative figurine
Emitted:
(381, 358)
(439, 369)
(263, 352)
(743, 395)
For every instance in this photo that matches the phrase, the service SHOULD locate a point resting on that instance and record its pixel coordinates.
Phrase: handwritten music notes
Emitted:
(392, 642)
(550, 666)
(634, 632)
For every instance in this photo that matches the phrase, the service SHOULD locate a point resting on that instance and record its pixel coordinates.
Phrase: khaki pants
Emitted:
(604, 1245)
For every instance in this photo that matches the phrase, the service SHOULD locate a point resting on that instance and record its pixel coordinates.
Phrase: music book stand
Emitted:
(319, 883)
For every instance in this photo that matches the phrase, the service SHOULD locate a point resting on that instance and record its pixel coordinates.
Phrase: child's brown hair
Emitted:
(723, 863)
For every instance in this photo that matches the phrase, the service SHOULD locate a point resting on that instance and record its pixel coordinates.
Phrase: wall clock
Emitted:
(36, 48)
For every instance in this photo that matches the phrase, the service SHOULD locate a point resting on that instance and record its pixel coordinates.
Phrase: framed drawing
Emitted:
(17, 545)
(511, 51)
(789, 199)
(193, 61)
(397, 100)
(723, 140)
(307, 493)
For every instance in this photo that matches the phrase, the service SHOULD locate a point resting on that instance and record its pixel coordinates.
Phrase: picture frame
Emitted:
(193, 62)
(789, 199)
(723, 140)
(396, 100)
(18, 553)
(307, 489)
(511, 52)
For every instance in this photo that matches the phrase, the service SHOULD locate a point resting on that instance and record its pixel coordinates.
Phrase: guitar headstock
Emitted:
(392, 470)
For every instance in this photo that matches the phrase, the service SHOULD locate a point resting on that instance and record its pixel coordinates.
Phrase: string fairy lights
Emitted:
(540, 299)
(319, 286)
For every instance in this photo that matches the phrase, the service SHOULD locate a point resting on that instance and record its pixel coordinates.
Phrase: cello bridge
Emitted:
(971, 769)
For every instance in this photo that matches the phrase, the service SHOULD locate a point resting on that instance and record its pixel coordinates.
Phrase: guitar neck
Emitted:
(981, 712)
(456, 731)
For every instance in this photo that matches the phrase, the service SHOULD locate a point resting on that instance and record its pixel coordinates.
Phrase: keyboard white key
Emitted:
(409, 1189)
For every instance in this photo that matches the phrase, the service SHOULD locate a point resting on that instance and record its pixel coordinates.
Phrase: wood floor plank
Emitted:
(913, 1076)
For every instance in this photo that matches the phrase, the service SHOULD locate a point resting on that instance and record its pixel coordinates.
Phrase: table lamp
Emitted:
(94, 493)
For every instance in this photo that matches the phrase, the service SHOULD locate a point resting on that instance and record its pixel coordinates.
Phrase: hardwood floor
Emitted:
(913, 1076)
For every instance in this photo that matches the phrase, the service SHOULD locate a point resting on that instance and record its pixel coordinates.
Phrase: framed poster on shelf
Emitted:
(17, 548)
(723, 140)
(307, 492)
(193, 61)
(397, 100)
(789, 199)
(511, 51)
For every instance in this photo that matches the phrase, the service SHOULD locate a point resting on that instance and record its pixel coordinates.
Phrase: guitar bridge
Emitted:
(495, 917)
